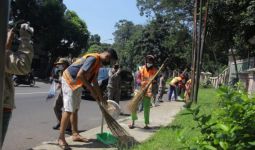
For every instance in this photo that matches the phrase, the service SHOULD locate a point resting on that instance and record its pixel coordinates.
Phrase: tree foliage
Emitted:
(94, 39)
(230, 25)
(125, 35)
(57, 30)
(165, 36)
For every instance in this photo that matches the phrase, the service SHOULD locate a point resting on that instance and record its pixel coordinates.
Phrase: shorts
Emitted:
(71, 99)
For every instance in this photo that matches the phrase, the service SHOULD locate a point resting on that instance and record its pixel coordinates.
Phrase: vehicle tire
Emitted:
(32, 83)
(15, 83)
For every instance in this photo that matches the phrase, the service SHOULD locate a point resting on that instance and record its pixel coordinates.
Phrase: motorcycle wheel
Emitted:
(32, 83)
(15, 83)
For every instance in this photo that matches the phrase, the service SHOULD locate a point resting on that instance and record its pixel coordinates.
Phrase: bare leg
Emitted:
(74, 121)
(64, 122)
(76, 136)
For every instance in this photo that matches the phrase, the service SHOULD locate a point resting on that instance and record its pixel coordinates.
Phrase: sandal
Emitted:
(79, 138)
(131, 126)
(64, 146)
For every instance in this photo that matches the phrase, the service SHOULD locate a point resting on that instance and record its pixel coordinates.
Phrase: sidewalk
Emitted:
(160, 116)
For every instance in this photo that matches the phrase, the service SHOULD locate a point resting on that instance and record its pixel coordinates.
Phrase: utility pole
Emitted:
(198, 53)
(4, 17)
(194, 51)
(198, 46)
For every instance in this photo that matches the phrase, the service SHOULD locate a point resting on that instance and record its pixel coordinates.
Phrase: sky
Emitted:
(101, 15)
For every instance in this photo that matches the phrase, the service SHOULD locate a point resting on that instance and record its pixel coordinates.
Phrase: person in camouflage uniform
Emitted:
(18, 63)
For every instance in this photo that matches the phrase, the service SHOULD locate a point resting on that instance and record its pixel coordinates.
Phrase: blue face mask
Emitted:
(148, 65)
(61, 67)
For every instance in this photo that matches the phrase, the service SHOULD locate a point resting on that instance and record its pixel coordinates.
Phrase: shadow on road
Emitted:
(93, 143)
(28, 86)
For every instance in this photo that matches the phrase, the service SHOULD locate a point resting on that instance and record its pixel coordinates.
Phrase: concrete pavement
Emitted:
(160, 116)
(33, 119)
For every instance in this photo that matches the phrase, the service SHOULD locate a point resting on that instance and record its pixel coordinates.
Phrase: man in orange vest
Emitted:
(83, 72)
(145, 73)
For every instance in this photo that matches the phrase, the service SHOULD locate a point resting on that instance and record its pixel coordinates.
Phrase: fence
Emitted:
(222, 78)
(242, 66)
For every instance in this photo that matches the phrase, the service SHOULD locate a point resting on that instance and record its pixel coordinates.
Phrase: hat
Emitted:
(150, 57)
(62, 61)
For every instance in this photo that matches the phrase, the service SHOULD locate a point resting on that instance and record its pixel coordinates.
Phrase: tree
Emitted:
(58, 31)
(76, 34)
(94, 39)
(125, 35)
(230, 25)
(95, 49)
(165, 41)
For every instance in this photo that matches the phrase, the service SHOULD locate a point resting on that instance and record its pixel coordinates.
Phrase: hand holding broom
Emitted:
(113, 125)
(133, 104)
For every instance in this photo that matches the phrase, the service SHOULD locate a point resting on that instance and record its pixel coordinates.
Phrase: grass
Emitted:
(168, 138)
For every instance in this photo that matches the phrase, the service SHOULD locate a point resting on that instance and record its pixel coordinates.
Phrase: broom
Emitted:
(133, 104)
(117, 130)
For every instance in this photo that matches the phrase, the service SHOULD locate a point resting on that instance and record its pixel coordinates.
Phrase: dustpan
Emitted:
(106, 137)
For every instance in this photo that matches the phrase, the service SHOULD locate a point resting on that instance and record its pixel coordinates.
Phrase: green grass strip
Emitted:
(183, 127)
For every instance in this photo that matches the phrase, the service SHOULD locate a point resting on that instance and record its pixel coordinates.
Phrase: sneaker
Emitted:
(156, 105)
(68, 131)
(56, 127)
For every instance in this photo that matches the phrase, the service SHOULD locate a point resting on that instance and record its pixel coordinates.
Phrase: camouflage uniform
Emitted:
(18, 63)
(113, 87)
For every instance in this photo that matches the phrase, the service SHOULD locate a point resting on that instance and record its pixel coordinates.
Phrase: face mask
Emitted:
(61, 67)
(149, 65)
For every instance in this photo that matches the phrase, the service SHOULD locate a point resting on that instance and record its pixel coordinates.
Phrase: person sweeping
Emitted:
(187, 94)
(83, 72)
(173, 86)
(145, 73)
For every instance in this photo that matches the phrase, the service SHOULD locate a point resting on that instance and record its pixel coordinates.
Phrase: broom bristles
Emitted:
(116, 129)
(135, 101)
(133, 104)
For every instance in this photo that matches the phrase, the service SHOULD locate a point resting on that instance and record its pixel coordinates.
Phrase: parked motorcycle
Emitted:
(24, 79)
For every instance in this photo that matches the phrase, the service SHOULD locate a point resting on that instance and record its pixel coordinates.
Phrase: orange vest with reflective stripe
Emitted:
(146, 75)
(76, 83)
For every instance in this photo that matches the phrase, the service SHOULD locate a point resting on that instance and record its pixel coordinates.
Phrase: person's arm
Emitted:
(110, 72)
(9, 39)
(82, 74)
(20, 62)
(99, 92)
(139, 78)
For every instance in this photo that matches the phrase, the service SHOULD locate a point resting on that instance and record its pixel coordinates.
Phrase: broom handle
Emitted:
(159, 70)
(102, 124)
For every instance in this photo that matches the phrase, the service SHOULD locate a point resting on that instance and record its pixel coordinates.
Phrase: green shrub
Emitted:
(231, 126)
(206, 84)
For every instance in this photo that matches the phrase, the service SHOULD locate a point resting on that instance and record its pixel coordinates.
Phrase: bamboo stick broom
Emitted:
(133, 104)
(117, 130)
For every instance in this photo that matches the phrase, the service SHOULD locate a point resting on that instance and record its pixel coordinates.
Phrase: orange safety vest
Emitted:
(76, 83)
(146, 75)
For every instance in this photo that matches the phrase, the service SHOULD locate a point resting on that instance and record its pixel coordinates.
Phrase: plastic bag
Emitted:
(53, 91)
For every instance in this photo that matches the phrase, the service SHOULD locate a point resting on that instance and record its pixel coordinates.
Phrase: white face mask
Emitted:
(61, 67)
(149, 65)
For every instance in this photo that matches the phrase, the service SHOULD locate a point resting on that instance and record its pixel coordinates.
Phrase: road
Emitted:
(33, 119)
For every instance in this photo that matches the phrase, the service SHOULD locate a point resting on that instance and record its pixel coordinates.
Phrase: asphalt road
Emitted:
(33, 119)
